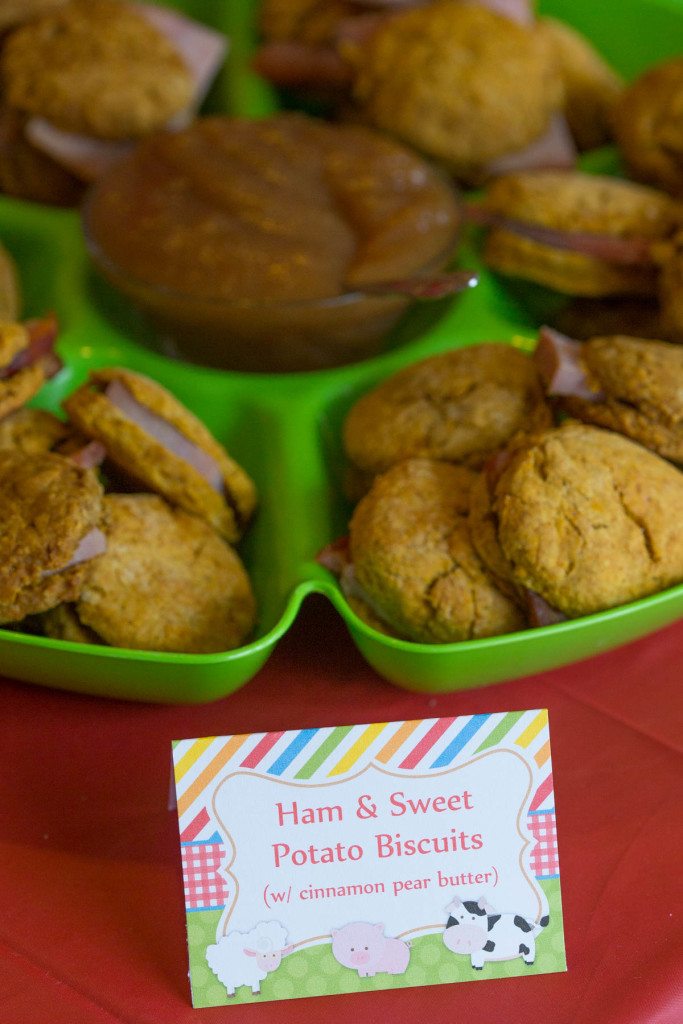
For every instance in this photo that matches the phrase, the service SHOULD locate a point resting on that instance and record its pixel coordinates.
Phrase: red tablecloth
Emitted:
(92, 925)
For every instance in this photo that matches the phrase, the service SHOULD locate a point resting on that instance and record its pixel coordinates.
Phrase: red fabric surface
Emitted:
(92, 927)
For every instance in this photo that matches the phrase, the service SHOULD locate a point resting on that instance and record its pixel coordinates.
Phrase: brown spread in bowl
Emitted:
(249, 242)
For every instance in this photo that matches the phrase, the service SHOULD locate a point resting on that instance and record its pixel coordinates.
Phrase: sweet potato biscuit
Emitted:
(641, 391)
(95, 67)
(459, 82)
(414, 561)
(648, 126)
(575, 204)
(458, 406)
(591, 86)
(47, 507)
(10, 291)
(13, 12)
(32, 431)
(584, 517)
(149, 461)
(19, 387)
(167, 582)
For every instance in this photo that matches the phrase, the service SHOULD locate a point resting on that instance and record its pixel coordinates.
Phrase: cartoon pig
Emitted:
(365, 948)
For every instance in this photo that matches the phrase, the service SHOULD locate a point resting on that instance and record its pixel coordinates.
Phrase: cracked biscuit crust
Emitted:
(154, 466)
(458, 406)
(459, 82)
(414, 560)
(642, 382)
(167, 582)
(95, 67)
(32, 431)
(586, 518)
(47, 506)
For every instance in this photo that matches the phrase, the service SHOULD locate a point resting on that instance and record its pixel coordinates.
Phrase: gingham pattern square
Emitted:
(544, 857)
(205, 889)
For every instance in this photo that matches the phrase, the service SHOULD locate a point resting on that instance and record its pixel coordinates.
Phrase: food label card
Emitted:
(363, 857)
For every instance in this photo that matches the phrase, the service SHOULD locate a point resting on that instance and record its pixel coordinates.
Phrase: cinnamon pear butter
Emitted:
(251, 243)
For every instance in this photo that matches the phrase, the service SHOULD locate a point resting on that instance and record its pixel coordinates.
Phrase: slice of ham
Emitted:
(289, 63)
(94, 543)
(89, 456)
(561, 367)
(202, 49)
(624, 251)
(435, 286)
(335, 556)
(165, 433)
(42, 335)
(539, 612)
(554, 150)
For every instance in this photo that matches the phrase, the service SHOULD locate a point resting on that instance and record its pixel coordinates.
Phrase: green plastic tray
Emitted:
(285, 429)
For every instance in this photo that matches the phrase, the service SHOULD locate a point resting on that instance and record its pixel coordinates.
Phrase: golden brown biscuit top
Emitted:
(643, 372)
(648, 125)
(186, 591)
(460, 82)
(458, 406)
(580, 202)
(588, 519)
(47, 505)
(413, 557)
(13, 339)
(10, 291)
(32, 431)
(95, 67)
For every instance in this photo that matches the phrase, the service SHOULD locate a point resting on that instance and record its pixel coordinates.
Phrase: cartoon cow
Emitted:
(476, 929)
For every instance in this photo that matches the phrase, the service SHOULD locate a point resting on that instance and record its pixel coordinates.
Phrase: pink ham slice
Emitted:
(165, 433)
(554, 150)
(561, 367)
(90, 456)
(289, 63)
(539, 612)
(632, 251)
(92, 544)
(203, 50)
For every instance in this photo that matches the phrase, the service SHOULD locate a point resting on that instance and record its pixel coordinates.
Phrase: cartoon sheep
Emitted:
(244, 958)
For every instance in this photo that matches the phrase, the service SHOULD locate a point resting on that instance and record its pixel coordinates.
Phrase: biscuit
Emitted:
(13, 12)
(48, 507)
(27, 360)
(597, 234)
(139, 435)
(32, 431)
(583, 517)
(647, 124)
(640, 384)
(10, 291)
(413, 558)
(591, 86)
(95, 67)
(186, 592)
(458, 406)
(461, 83)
